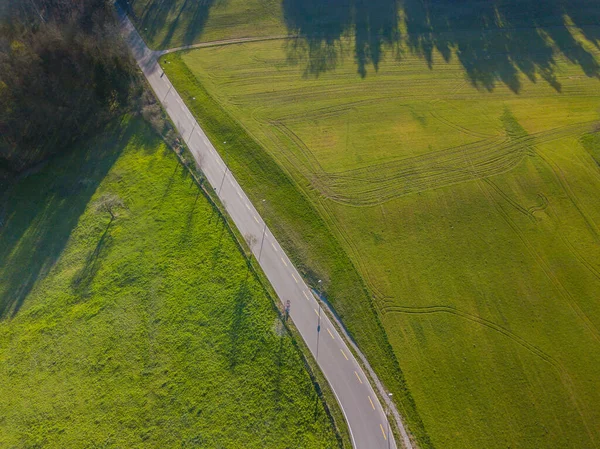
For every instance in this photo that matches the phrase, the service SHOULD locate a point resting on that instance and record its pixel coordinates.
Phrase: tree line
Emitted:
(64, 73)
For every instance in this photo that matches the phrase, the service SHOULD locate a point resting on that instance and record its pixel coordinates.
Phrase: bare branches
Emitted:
(64, 73)
(109, 203)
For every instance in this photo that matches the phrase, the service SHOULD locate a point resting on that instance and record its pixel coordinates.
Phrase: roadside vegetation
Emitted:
(129, 317)
(444, 186)
(64, 74)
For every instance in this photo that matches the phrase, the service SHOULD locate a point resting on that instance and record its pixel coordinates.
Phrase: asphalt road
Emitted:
(364, 413)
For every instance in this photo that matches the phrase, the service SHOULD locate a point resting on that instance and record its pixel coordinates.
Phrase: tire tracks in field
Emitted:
(458, 127)
(563, 374)
(560, 176)
(223, 42)
(580, 258)
(561, 289)
(483, 322)
(379, 183)
(508, 199)
(544, 203)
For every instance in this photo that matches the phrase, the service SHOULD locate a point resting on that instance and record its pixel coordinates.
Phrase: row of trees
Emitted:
(64, 72)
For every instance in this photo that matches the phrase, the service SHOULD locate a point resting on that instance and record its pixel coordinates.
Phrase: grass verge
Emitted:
(146, 329)
(298, 226)
(320, 383)
(469, 214)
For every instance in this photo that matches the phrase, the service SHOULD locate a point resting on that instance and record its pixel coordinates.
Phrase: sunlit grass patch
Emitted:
(130, 317)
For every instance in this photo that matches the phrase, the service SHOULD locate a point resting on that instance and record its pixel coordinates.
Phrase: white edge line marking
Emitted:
(345, 415)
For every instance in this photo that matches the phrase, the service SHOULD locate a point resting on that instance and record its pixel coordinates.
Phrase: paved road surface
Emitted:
(365, 415)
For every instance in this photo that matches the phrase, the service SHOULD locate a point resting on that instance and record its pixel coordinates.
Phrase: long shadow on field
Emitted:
(188, 15)
(43, 209)
(320, 24)
(84, 277)
(238, 326)
(279, 362)
(496, 41)
(189, 222)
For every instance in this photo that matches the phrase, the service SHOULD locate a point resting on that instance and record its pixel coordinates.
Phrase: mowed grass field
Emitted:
(143, 331)
(173, 23)
(461, 184)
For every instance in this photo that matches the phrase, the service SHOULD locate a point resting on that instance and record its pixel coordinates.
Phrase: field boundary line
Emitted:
(222, 42)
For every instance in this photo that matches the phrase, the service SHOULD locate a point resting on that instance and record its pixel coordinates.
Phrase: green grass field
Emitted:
(173, 23)
(449, 198)
(143, 331)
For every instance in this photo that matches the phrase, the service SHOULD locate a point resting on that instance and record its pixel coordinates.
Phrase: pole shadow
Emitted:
(238, 327)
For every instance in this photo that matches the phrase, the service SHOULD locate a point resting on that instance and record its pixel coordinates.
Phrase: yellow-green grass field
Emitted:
(450, 205)
(144, 331)
(172, 23)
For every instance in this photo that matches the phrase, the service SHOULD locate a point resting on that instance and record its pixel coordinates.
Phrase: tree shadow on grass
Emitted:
(495, 41)
(199, 13)
(319, 26)
(156, 15)
(84, 277)
(44, 208)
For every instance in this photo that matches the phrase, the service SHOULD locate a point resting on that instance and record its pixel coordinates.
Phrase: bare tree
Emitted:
(109, 203)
